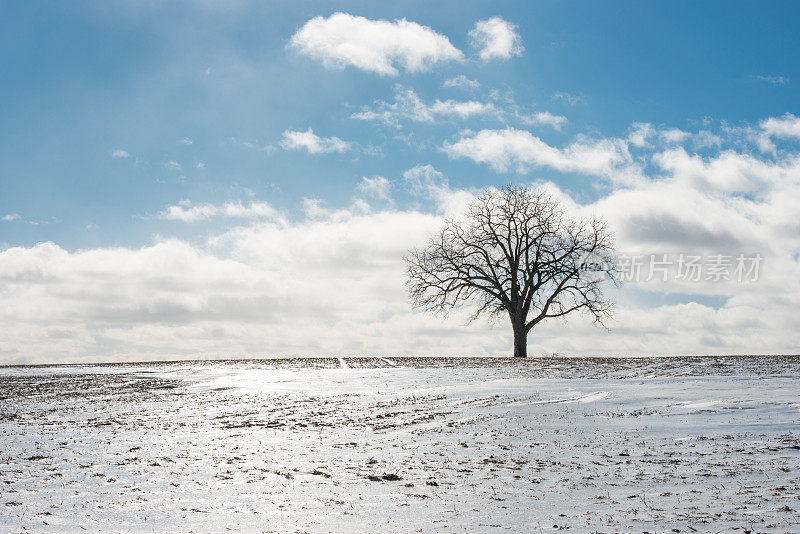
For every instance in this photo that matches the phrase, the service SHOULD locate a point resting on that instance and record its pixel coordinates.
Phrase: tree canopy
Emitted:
(515, 251)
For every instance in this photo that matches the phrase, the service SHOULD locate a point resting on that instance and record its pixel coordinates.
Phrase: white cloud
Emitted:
(569, 98)
(173, 165)
(186, 211)
(784, 127)
(727, 171)
(645, 135)
(186, 141)
(546, 118)
(120, 154)
(200, 165)
(11, 217)
(314, 144)
(462, 110)
(260, 288)
(424, 179)
(520, 151)
(426, 182)
(376, 187)
(639, 134)
(253, 210)
(674, 136)
(495, 38)
(774, 80)
(408, 105)
(313, 209)
(706, 139)
(379, 46)
(461, 81)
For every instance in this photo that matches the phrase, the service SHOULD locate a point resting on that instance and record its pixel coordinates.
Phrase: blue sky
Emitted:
(179, 180)
(80, 81)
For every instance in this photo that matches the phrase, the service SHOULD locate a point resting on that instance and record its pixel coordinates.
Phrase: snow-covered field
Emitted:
(368, 444)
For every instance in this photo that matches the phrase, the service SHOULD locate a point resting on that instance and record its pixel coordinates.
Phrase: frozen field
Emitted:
(366, 444)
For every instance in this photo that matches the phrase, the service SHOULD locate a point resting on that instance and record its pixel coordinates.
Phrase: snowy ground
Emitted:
(366, 444)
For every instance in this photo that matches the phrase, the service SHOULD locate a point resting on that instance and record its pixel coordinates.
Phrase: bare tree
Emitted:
(516, 252)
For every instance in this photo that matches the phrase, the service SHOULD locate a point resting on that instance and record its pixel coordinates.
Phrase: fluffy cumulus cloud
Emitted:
(496, 38)
(331, 282)
(312, 143)
(787, 126)
(728, 171)
(673, 135)
(380, 46)
(408, 105)
(516, 150)
(640, 133)
(547, 119)
(376, 187)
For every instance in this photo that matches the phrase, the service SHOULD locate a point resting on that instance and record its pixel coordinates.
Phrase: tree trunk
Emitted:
(520, 339)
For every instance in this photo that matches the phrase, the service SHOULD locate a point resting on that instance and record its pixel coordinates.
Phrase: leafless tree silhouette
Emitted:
(516, 252)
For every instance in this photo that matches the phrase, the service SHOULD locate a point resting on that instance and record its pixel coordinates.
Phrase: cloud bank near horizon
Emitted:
(331, 282)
